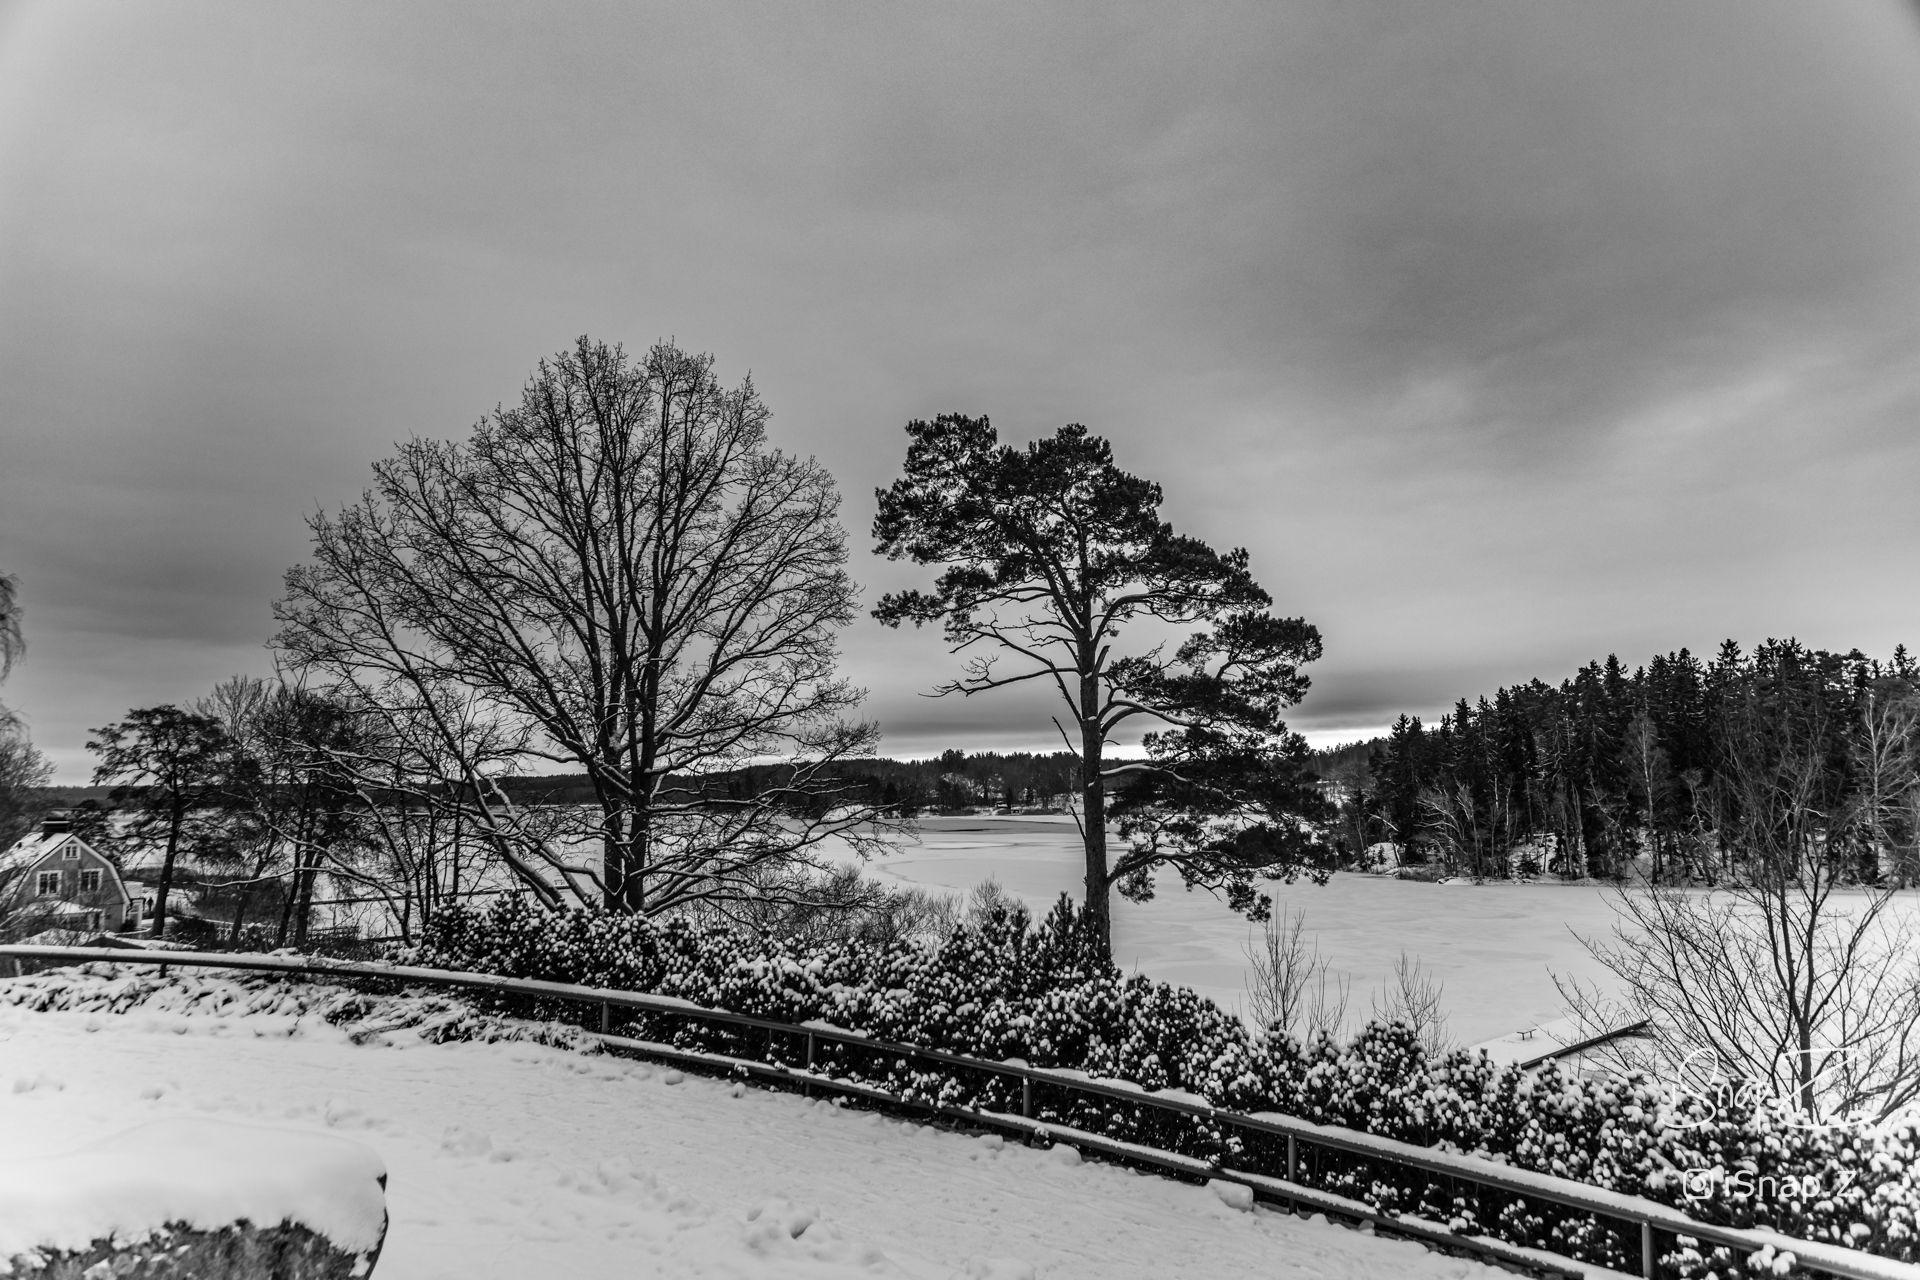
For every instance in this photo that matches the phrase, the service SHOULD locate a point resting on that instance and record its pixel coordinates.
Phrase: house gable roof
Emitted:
(34, 848)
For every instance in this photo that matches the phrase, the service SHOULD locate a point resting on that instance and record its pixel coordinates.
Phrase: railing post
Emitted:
(1026, 1096)
(806, 1090)
(1293, 1159)
(606, 1017)
(1648, 1267)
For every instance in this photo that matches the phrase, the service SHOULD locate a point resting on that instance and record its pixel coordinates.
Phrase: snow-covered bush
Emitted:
(364, 1015)
(1001, 987)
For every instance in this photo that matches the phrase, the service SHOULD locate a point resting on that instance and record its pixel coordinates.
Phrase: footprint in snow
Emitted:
(465, 1142)
(771, 1226)
(994, 1269)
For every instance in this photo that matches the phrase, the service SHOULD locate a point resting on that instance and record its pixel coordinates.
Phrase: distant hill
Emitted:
(62, 797)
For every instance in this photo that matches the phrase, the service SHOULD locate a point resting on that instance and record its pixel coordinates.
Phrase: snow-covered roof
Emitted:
(31, 849)
(128, 855)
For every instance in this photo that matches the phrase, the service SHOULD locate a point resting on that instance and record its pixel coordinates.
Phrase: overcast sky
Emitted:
(1503, 335)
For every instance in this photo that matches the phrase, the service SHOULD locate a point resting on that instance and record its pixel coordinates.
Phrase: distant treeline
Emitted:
(954, 780)
(1659, 762)
(951, 781)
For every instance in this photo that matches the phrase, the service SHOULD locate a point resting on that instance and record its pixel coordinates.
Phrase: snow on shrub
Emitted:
(1003, 987)
(362, 1015)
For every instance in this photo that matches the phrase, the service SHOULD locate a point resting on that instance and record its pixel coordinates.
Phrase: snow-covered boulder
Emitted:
(1379, 859)
(196, 1197)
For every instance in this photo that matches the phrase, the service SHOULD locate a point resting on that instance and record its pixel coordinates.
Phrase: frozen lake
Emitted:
(1495, 946)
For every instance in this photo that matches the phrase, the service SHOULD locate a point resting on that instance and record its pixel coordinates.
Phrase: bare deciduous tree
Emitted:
(1453, 820)
(1290, 986)
(1883, 751)
(12, 641)
(1796, 978)
(818, 908)
(1417, 1000)
(429, 842)
(624, 571)
(1647, 773)
(23, 771)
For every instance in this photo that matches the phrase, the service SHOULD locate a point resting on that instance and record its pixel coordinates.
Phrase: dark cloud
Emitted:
(1503, 334)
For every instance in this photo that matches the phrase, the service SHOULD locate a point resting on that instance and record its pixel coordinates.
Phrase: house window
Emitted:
(90, 881)
(48, 882)
(71, 853)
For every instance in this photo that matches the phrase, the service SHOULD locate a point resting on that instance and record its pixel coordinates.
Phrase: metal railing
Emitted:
(1627, 1032)
(1654, 1223)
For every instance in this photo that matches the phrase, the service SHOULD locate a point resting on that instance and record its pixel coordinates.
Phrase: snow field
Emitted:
(514, 1159)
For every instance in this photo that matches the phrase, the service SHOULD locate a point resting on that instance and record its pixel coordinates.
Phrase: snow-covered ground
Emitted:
(514, 1160)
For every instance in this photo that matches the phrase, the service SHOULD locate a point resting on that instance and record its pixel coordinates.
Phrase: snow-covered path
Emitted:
(512, 1159)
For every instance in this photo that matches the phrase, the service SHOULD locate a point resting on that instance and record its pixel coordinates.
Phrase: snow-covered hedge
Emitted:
(1005, 988)
(276, 1002)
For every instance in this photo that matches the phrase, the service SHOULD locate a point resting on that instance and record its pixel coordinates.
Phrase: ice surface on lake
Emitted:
(1494, 946)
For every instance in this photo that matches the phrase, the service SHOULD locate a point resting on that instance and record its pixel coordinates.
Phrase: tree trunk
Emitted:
(303, 829)
(1093, 794)
(174, 822)
(286, 904)
(239, 918)
(303, 891)
(639, 854)
(614, 872)
(246, 896)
